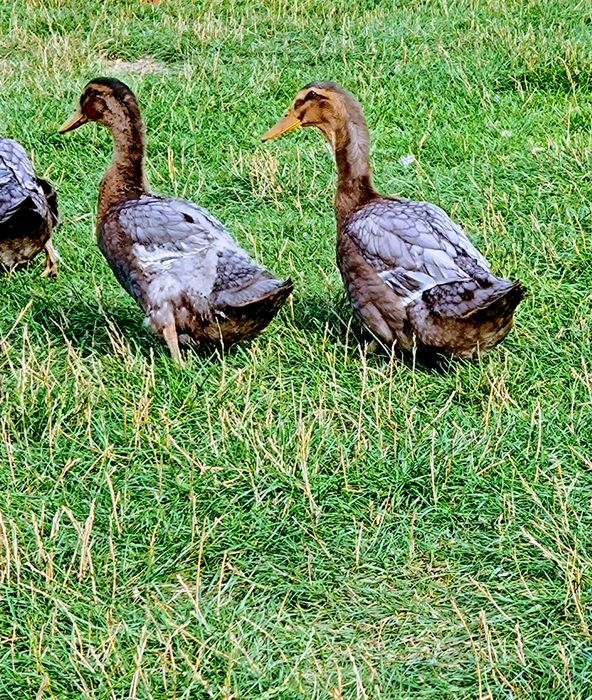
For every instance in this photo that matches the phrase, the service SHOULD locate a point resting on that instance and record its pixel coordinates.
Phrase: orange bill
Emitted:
(76, 120)
(285, 124)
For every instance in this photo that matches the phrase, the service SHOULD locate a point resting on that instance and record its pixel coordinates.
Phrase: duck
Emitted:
(28, 211)
(413, 277)
(192, 280)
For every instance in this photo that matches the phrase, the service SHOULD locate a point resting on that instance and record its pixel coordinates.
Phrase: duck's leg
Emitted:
(51, 263)
(169, 333)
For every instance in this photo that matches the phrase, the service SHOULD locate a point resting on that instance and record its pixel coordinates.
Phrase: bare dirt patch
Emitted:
(141, 66)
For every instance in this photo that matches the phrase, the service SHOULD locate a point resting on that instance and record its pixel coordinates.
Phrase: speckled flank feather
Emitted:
(184, 269)
(28, 208)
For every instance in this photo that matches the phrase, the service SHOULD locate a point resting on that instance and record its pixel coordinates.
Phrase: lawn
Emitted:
(298, 518)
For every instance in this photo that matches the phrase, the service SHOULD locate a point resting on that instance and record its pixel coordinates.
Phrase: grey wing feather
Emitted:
(170, 223)
(414, 246)
(18, 182)
(241, 281)
(184, 247)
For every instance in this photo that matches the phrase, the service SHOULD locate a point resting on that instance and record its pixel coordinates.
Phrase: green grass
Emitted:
(296, 519)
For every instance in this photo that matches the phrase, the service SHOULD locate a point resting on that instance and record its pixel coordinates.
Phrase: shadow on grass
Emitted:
(95, 331)
(325, 316)
(89, 328)
(332, 319)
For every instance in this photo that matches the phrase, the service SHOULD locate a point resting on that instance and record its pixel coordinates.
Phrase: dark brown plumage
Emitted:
(412, 275)
(28, 211)
(187, 273)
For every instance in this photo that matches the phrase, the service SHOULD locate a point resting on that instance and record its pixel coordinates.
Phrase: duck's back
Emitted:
(18, 182)
(25, 215)
(415, 246)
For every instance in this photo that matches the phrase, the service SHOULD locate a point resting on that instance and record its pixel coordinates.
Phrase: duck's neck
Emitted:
(352, 155)
(125, 178)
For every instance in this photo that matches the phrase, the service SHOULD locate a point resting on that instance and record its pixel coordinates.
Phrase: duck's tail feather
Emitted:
(245, 313)
(501, 304)
(262, 291)
(469, 301)
(260, 301)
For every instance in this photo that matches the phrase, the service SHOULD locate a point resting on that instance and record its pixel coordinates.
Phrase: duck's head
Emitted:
(104, 100)
(324, 105)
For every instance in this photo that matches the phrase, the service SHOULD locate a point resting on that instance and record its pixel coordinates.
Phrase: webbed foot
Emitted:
(52, 260)
(169, 333)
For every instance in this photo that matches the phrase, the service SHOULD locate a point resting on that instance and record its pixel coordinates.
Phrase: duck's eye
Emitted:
(311, 95)
(93, 106)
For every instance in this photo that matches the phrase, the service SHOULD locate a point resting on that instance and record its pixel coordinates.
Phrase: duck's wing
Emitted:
(168, 224)
(18, 182)
(183, 241)
(415, 246)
